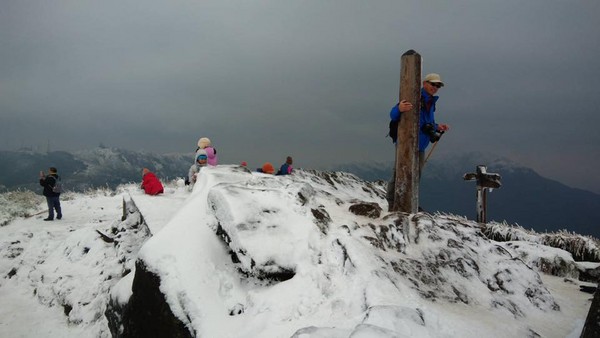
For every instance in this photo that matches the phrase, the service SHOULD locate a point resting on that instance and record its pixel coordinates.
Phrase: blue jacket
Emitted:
(426, 115)
(285, 169)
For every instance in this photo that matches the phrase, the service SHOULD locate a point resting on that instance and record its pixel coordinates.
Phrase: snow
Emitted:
(157, 217)
(58, 263)
(350, 274)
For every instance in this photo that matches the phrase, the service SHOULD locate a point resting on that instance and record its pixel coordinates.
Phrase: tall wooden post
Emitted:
(481, 204)
(406, 190)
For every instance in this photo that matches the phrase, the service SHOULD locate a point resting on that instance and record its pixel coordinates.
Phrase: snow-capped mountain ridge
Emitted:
(445, 167)
(525, 198)
(210, 267)
(345, 271)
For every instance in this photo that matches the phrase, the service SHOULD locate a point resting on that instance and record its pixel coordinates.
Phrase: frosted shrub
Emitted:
(583, 248)
(19, 203)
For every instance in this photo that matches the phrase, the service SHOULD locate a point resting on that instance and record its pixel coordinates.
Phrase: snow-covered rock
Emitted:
(254, 255)
(313, 254)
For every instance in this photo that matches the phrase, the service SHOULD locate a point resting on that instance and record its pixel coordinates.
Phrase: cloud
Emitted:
(315, 79)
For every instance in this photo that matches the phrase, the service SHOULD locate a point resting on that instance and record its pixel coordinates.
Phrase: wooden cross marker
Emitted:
(485, 181)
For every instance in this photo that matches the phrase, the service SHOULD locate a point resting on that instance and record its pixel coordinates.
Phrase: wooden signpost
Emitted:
(485, 181)
(406, 188)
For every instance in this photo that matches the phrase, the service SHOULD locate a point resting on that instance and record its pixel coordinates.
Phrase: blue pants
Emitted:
(53, 203)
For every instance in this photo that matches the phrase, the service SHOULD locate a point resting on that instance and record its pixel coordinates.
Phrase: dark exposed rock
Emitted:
(591, 328)
(558, 267)
(14, 250)
(147, 313)
(11, 273)
(460, 296)
(268, 271)
(344, 252)
(590, 275)
(281, 274)
(533, 334)
(146, 308)
(303, 200)
(371, 210)
(67, 309)
(588, 289)
(237, 309)
(322, 218)
(105, 238)
(385, 237)
(114, 314)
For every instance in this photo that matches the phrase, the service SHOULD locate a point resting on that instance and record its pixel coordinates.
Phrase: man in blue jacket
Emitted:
(429, 130)
(427, 125)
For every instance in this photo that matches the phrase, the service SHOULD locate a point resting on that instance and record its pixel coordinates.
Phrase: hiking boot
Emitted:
(59, 217)
(48, 219)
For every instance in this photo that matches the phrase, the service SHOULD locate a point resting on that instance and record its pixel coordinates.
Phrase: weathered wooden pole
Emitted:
(481, 204)
(406, 189)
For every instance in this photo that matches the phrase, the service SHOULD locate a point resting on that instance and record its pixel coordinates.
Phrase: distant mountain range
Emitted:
(99, 167)
(525, 198)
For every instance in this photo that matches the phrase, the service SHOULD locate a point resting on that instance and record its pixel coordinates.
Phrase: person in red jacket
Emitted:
(150, 183)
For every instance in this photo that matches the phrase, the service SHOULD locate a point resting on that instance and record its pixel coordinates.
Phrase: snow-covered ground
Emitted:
(50, 268)
(45, 265)
(56, 277)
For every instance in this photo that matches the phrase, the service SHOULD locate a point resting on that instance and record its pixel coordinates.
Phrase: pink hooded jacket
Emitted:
(205, 144)
(211, 153)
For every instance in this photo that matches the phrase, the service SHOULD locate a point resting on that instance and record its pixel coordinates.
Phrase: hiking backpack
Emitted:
(393, 133)
(57, 188)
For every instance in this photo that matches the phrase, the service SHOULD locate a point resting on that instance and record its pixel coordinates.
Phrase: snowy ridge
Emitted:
(382, 275)
(309, 255)
(55, 276)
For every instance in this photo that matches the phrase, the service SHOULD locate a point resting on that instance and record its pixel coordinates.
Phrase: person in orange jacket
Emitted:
(150, 183)
(267, 168)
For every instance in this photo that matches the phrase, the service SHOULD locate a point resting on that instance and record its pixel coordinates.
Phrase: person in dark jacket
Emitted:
(150, 183)
(52, 197)
(267, 168)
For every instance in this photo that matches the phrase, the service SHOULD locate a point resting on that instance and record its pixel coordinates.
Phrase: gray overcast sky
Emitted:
(312, 79)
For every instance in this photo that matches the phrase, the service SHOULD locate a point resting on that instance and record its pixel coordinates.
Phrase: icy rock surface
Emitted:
(293, 248)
